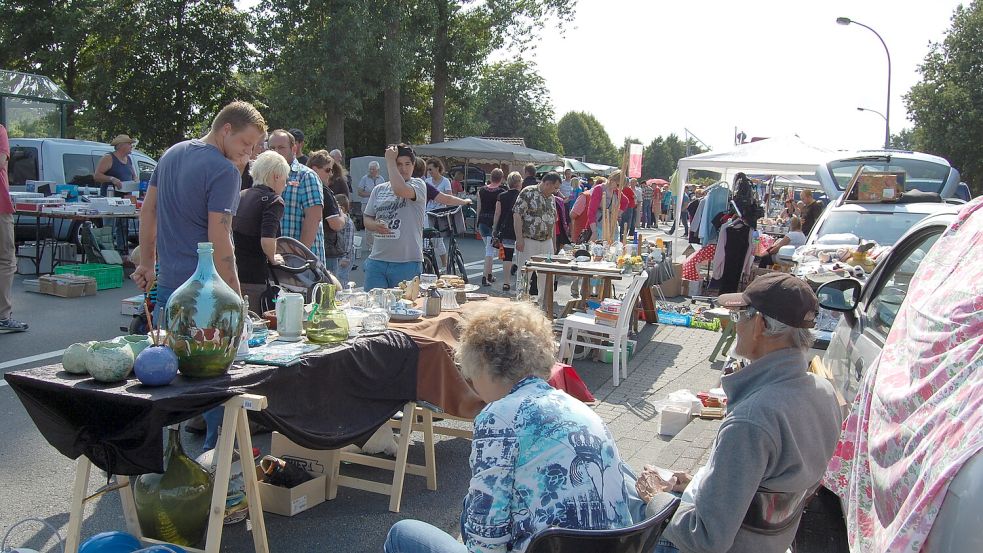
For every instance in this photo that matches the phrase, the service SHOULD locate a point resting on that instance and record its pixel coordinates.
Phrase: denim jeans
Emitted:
(213, 417)
(627, 220)
(647, 212)
(413, 536)
(331, 264)
(388, 274)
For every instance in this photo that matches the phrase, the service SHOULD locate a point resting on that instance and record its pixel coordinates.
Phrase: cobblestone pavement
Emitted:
(670, 358)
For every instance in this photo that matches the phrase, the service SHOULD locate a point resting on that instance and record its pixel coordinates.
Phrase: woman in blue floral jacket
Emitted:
(540, 457)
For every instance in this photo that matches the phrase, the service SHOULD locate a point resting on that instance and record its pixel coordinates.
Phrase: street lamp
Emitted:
(873, 111)
(887, 113)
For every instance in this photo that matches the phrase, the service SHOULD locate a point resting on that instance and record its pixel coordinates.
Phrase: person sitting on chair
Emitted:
(780, 431)
(540, 458)
(256, 225)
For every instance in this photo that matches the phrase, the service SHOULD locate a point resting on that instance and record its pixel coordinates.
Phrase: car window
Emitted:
(80, 168)
(883, 307)
(23, 164)
(883, 227)
(923, 175)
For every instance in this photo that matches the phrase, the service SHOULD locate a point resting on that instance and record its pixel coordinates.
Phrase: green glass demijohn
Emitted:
(205, 317)
(326, 324)
(174, 506)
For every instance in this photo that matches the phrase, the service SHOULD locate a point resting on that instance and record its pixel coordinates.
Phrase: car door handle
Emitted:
(859, 367)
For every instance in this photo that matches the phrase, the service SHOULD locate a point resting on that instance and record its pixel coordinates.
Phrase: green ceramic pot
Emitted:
(204, 320)
(173, 507)
(75, 360)
(109, 361)
(136, 343)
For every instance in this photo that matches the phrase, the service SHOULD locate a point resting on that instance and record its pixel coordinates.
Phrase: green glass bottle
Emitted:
(173, 507)
(204, 320)
(326, 324)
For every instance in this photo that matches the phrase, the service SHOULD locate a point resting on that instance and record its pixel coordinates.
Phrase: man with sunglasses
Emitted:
(780, 431)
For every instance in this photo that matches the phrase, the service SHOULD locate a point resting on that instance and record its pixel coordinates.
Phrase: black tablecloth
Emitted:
(333, 398)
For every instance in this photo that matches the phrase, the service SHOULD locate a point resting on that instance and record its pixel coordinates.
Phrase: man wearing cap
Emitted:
(299, 146)
(113, 170)
(780, 431)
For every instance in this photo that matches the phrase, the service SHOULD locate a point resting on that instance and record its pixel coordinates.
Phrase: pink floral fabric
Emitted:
(919, 414)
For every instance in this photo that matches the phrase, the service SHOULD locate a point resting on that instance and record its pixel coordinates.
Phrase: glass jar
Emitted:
(326, 324)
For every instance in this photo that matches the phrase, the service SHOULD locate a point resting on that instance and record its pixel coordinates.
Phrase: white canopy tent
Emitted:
(474, 149)
(772, 156)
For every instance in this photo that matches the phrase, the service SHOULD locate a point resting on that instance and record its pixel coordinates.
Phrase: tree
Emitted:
(904, 140)
(165, 81)
(582, 135)
(662, 154)
(510, 110)
(947, 105)
(53, 39)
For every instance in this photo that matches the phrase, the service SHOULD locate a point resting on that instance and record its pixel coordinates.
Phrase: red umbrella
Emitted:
(660, 182)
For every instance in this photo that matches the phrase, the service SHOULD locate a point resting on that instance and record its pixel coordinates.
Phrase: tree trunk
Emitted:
(335, 129)
(441, 54)
(394, 117)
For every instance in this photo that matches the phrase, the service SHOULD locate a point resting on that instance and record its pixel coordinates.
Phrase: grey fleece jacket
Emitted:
(781, 427)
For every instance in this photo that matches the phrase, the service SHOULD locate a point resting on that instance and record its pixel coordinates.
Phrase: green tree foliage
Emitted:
(582, 135)
(904, 140)
(512, 100)
(661, 155)
(164, 82)
(947, 105)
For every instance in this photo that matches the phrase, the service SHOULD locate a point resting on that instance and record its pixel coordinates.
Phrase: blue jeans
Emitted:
(628, 220)
(647, 217)
(413, 536)
(388, 274)
(213, 417)
(331, 264)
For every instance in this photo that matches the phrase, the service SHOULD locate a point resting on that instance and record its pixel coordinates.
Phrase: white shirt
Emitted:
(444, 186)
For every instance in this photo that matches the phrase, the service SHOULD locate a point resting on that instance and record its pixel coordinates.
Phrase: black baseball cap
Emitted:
(298, 134)
(781, 296)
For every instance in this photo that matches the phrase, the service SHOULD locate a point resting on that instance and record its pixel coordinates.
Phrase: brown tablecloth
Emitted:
(439, 381)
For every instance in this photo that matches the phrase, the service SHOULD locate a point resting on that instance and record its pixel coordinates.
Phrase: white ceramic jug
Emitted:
(289, 316)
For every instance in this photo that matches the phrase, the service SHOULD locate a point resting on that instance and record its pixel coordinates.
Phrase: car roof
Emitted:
(71, 142)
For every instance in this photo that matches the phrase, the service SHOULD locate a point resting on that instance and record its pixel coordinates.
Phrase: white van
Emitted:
(63, 161)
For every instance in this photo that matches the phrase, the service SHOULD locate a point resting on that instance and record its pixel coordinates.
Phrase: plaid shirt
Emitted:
(303, 191)
(348, 238)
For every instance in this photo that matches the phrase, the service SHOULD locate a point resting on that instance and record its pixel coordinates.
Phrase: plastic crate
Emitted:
(607, 356)
(712, 324)
(107, 276)
(670, 318)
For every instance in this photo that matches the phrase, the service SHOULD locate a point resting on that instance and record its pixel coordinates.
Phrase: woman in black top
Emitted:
(256, 225)
(504, 230)
(487, 203)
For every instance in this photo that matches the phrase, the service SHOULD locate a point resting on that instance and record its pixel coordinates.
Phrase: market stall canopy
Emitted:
(601, 169)
(32, 105)
(480, 150)
(574, 165)
(772, 156)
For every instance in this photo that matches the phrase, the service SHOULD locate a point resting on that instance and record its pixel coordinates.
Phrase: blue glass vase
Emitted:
(205, 317)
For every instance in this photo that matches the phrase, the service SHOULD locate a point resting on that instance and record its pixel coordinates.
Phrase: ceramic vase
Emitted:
(204, 320)
(136, 343)
(109, 361)
(156, 366)
(174, 506)
(326, 324)
(75, 360)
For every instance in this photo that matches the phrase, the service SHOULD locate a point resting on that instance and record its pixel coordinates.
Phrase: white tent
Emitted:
(772, 156)
(480, 150)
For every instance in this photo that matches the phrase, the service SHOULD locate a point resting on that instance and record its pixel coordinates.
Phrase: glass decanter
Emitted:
(326, 324)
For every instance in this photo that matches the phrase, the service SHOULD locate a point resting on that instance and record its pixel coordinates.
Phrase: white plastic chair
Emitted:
(579, 329)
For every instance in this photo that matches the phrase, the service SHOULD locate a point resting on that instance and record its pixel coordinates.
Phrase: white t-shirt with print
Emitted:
(404, 217)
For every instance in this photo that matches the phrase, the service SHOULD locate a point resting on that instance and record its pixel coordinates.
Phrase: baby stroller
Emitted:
(300, 272)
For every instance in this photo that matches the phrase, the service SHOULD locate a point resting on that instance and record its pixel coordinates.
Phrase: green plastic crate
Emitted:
(608, 356)
(107, 276)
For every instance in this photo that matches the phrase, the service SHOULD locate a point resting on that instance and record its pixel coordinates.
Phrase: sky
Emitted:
(648, 68)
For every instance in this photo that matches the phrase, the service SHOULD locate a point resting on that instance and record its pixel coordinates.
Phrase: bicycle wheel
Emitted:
(430, 265)
(458, 264)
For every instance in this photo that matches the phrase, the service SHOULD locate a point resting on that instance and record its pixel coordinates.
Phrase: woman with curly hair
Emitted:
(540, 458)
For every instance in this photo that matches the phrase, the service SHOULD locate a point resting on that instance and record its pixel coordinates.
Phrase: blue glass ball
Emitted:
(110, 542)
(156, 366)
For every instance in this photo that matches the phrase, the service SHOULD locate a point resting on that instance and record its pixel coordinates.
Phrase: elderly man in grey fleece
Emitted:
(780, 431)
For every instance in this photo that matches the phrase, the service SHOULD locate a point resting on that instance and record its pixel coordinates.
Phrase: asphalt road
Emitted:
(37, 480)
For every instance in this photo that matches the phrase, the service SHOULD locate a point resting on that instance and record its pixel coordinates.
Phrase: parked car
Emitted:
(869, 309)
(474, 179)
(923, 172)
(63, 161)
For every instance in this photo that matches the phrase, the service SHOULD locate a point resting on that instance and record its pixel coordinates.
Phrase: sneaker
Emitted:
(281, 473)
(12, 325)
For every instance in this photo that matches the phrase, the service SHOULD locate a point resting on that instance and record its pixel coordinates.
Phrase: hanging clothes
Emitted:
(732, 259)
(689, 266)
(713, 203)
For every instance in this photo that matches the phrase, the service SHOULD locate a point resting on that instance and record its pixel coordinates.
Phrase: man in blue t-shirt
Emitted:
(192, 197)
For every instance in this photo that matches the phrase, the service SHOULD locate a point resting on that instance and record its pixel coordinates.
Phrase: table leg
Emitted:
(76, 512)
(402, 450)
(256, 517)
(129, 506)
(429, 455)
(548, 295)
(648, 305)
(223, 468)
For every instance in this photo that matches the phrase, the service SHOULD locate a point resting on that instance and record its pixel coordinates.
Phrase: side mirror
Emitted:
(785, 254)
(840, 295)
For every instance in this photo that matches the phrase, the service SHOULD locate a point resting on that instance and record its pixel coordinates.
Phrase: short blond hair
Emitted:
(514, 179)
(320, 158)
(239, 115)
(508, 343)
(266, 165)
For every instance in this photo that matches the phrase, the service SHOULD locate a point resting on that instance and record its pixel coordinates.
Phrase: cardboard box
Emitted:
(67, 286)
(314, 461)
(692, 288)
(674, 286)
(290, 501)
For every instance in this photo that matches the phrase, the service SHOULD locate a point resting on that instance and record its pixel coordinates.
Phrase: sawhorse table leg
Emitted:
(235, 425)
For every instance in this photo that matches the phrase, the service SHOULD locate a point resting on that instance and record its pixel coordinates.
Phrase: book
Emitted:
(280, 354)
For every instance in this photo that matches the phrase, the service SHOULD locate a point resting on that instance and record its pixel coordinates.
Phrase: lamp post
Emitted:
(887, 112)
(873, 111)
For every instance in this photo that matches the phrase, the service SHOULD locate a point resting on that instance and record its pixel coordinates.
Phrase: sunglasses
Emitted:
(743, 314)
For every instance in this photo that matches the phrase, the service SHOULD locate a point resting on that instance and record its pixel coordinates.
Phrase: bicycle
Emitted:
(444, 226)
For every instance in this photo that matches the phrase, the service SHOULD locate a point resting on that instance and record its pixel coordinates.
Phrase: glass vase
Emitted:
(326, 324)
(174, 506)
(204, 320)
